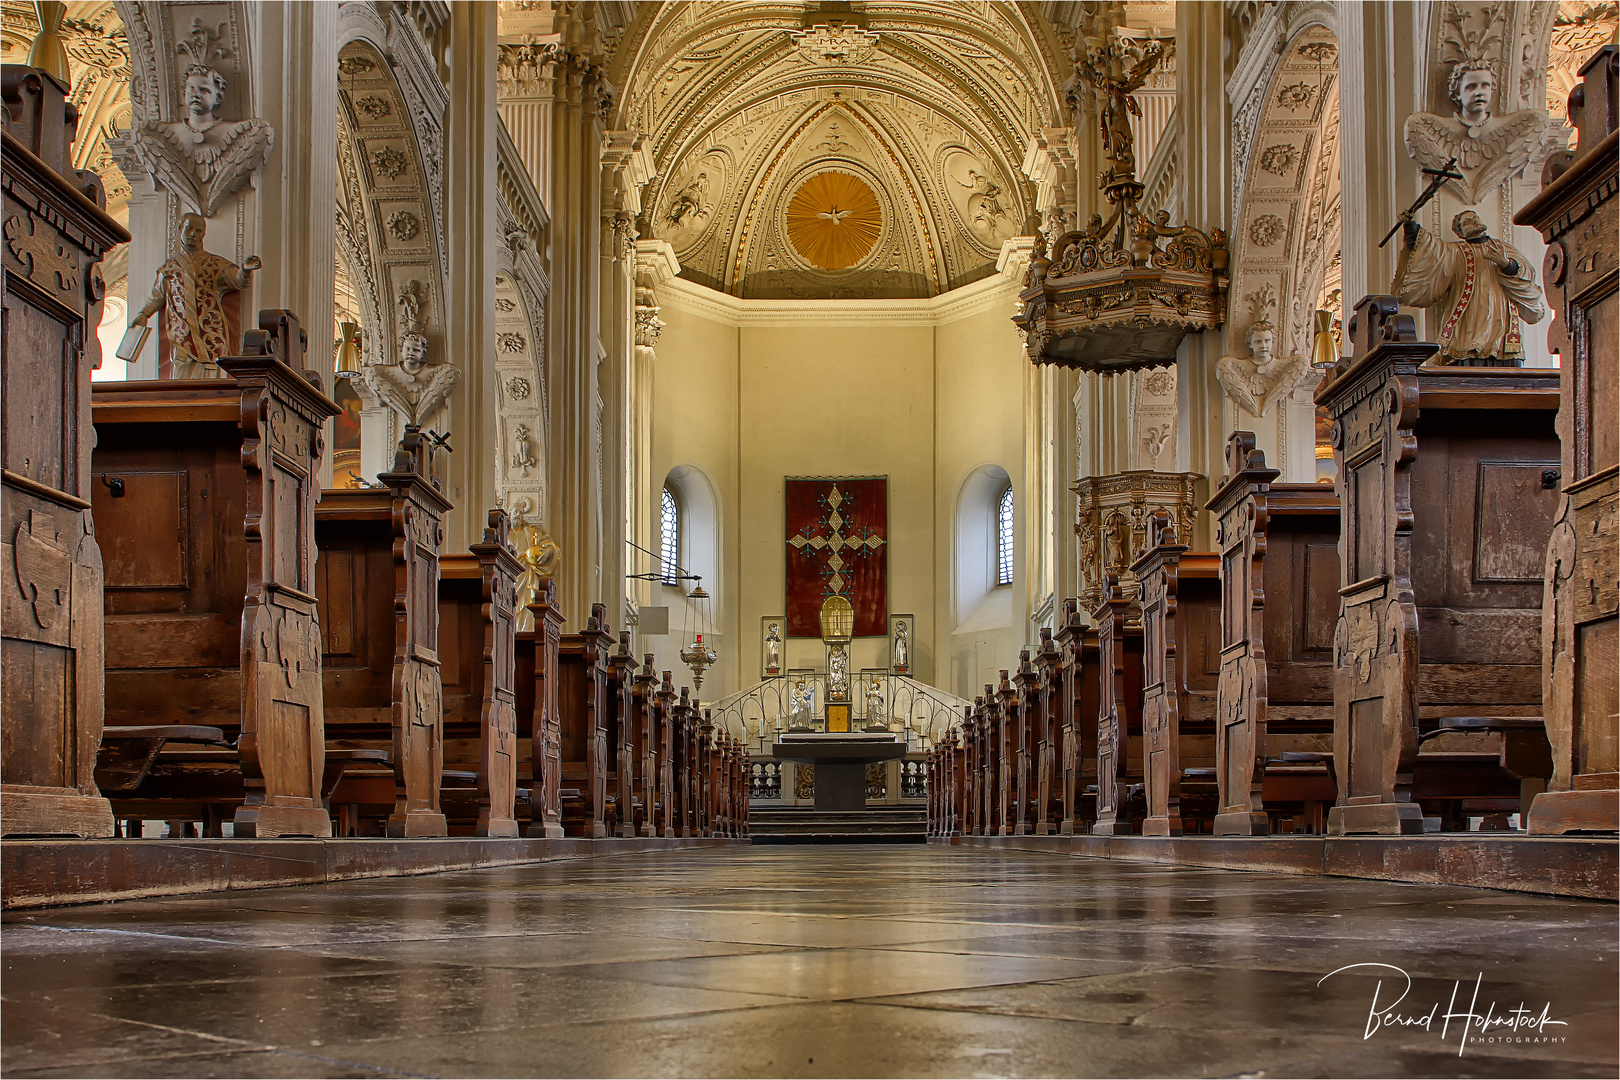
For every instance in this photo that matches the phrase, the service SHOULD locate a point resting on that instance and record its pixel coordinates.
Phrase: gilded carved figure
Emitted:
(190, 292)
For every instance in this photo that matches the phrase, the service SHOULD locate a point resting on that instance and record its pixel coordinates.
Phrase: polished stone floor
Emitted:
(813, 961)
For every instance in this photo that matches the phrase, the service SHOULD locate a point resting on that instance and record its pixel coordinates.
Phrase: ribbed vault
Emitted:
(930, 106)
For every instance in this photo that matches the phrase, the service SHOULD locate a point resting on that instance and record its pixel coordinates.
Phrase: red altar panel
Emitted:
(837, 543)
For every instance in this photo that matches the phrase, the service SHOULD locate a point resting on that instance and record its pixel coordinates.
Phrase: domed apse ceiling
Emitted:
(823, 153)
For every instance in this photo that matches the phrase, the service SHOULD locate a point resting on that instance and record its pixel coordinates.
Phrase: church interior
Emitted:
(980, 529)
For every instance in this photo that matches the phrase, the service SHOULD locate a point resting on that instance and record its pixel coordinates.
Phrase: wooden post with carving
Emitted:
(418, 693)
(1180, 597)
(1278, 545)
(666, 756)
(1049, 736)
(622, 735)
(283, 742)
(1578, 212)
(582, 690)
(1077, 715)
(644, 706)
(1024, 684)
(1119, 708)
(498, 744)
(1241, 521)
(538, 675)
(57, 230)
(1444, 483)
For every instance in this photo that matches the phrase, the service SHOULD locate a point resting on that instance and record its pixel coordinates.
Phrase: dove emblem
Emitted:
(834, 215)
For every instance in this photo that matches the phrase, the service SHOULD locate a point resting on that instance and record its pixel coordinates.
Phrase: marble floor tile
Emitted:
(815, 961)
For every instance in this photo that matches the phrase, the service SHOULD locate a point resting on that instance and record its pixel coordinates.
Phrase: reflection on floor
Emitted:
(811, 961)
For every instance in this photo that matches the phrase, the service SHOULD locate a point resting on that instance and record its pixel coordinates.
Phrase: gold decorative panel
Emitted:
(833, 220)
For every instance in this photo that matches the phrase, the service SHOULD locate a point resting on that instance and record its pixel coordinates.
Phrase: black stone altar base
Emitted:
(840, 785)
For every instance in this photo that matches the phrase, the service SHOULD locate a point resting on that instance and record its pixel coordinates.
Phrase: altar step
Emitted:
(806, 825)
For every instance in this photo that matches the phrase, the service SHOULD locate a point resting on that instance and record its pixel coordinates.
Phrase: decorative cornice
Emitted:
(991, 293)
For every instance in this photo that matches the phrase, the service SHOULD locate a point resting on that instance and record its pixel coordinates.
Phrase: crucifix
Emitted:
(835, 543)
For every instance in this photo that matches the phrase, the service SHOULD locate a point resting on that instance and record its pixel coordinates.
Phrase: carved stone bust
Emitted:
(201, 158)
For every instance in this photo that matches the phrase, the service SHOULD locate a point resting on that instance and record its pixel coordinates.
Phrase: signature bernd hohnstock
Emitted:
(1465, 1017)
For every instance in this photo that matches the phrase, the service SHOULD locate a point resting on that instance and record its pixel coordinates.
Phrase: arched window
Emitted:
(1004, 537)
(669, 538)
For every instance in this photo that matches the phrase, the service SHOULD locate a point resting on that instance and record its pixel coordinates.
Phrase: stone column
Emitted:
(573, 513)
(1204, 181)
(472, 234)
(655, 264)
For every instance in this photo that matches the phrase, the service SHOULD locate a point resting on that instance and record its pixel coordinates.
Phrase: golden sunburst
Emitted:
(833, 220)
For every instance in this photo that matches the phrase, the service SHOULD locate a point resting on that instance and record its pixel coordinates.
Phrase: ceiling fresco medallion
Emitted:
(833, 220)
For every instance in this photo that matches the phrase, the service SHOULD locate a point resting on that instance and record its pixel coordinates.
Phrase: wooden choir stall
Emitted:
(1577, 215)
(51, 615)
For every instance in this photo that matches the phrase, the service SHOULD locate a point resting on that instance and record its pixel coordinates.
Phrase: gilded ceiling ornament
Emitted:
(833, 220)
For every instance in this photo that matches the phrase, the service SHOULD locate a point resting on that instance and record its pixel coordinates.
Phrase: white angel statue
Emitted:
(1489, 149)
(203, 159)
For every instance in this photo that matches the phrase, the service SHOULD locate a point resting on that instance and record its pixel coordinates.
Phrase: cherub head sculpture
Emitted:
(413, 350)
(1472, 88)
(1262, 340)
(204, 92)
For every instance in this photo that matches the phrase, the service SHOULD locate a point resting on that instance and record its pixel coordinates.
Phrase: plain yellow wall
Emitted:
(922, 403)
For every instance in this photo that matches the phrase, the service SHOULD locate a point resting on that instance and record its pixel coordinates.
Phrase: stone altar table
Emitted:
(840, 759)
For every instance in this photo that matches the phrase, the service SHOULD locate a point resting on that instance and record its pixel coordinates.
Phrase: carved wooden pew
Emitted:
(739, 791)
(621, 729)
(643, 727)
(537, 710)
(1278, 546)
(714, 764)
(57, 230)
(378, 580)
(477, 661)
(1049, 736)
(1026, 752)
(1181, 610)
(219, 628)
(664, 705)
(685, 723)
(582, 690)
(1446, 515)
(970, 773)
(1119, 714)
(1578, 213)
(1077, 720)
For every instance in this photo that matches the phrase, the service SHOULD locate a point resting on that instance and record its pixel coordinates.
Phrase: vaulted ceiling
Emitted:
(838, 150)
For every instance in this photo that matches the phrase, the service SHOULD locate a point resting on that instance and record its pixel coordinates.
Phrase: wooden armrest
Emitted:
(1293, 757)
(385, 757)
(198, 733)
(1198, 774)
(1453, 724)
(459, 775)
